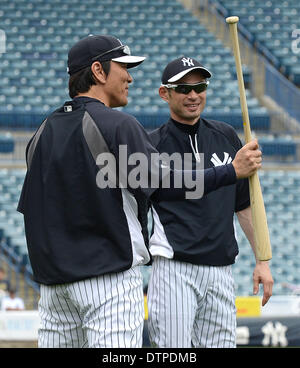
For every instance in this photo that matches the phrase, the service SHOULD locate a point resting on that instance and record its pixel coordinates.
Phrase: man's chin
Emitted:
(193, 116)
(120, 103)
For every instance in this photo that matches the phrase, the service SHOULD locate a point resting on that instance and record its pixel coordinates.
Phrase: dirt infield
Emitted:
(18, 344)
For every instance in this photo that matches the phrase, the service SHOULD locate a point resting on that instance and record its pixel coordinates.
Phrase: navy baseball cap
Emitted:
(178, 68)
(100, 48)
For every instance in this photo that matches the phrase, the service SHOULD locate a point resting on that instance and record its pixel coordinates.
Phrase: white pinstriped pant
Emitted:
(191, 305)
(104, 311)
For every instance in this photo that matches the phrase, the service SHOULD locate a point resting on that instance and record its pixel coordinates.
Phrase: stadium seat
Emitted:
(271, 28)
(34, 82)
(6, 143)
(283, 222)
(39, 35)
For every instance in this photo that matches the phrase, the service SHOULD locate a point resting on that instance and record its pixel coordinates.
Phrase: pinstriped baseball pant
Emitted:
(191, 305)
(104, 311)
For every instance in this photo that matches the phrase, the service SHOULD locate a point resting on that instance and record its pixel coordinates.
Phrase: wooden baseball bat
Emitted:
(261, 233)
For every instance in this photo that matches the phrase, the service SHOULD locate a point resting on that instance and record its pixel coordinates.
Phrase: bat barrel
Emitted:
(232, 21)
(261, 233)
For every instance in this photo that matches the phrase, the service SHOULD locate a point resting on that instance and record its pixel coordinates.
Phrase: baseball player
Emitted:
(191, 296)
(86, 240)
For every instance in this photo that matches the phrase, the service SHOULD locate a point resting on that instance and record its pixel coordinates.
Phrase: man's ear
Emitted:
(98, 72)
(163, 93)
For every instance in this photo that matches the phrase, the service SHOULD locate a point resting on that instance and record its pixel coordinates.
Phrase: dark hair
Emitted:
(82, 81)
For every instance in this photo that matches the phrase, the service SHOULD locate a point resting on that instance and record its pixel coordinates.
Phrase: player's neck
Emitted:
(95, 93)
(183, 120)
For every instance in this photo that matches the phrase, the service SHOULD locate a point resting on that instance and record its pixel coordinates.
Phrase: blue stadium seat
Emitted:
(40, 33)
(271, 29)
(6, 146)
(282, 219)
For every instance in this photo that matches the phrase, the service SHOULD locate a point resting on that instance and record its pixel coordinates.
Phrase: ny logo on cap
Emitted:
(187, 62)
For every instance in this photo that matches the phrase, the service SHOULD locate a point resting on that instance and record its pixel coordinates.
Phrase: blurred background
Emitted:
(35, 37)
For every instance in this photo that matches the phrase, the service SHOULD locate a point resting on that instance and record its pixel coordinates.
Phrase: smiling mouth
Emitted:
(192, 106)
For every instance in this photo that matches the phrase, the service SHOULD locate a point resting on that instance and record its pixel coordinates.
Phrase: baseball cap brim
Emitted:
(130, 60)
(178, 76)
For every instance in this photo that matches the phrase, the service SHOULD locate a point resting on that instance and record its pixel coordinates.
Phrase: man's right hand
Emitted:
(247, 160)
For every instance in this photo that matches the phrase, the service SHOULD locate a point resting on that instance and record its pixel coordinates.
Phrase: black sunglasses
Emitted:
(187, 88)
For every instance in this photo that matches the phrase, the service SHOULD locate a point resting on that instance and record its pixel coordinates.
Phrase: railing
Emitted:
(17, 154)
(282, 91)
(267, 80)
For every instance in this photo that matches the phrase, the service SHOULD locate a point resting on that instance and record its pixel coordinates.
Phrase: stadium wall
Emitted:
(273, 327)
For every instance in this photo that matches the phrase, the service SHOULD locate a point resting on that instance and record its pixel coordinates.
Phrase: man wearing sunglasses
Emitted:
(191, 299)
(86, 242)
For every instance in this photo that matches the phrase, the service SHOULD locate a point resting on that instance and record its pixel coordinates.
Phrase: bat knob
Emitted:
(232, 20)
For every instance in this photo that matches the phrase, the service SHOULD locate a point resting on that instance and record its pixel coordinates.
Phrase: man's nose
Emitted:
(130, 79)
(193, 94)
